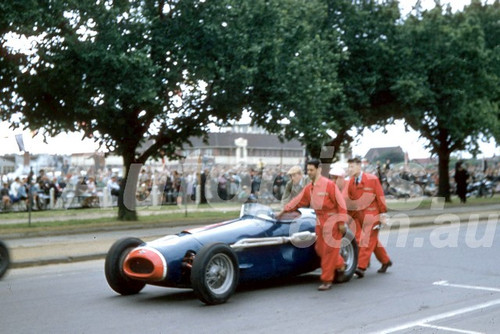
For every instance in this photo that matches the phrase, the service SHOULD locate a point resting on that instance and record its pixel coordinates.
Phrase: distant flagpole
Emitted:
(20, 142)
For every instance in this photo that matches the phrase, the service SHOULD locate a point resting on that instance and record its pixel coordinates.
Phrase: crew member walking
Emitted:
(366, 205)
(324, 197)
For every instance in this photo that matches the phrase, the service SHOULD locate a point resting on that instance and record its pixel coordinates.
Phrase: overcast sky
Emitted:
(396, 136)
(406, 5)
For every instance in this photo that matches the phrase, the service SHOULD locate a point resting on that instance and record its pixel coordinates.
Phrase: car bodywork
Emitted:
(214, 259)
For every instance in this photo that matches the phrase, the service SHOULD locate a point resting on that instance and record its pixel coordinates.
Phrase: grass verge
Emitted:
(70, 225)
(436, 203)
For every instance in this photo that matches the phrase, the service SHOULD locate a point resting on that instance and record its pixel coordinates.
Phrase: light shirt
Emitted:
(14, 188)
(359, 178)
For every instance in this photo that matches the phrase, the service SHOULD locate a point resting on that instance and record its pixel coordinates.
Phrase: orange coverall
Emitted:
(327, 201)
(365, 203)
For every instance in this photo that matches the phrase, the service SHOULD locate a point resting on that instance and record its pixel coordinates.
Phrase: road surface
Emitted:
(445, 279)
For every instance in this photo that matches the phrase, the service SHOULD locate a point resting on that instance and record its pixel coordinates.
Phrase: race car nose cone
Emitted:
(145, 264)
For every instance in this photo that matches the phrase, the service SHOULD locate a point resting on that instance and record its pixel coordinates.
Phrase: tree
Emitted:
(446, 84)
(344, 72)
(367, 34)
(140, 77)
(488, 16)
(294, 91)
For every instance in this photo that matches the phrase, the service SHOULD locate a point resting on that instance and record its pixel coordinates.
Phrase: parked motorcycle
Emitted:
(481, 188)
(396, 192)
(429, 188)
(4, 258)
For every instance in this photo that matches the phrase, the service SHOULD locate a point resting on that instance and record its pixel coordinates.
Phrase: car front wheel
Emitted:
(4, 259)
(113, 267)
(349, 252)
(215, 273)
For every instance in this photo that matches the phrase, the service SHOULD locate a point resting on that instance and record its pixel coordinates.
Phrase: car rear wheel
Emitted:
(349, 252)
(4, 259)
(215, 273)
(113, 267)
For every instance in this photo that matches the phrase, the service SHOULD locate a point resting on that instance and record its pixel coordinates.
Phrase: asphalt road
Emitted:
(445, 279)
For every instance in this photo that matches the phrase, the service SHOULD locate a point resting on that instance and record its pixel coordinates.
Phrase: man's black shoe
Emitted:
(340, 274)
(360, 272)
(384, 267)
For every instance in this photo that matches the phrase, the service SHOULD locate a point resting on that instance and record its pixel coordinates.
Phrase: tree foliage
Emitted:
(293, 93)
(366, 71)
(335, 72)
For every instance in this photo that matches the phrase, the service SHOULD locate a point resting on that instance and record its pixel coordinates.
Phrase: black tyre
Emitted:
(215, 273)
(348, 251)
(4, 259)
(113, 267)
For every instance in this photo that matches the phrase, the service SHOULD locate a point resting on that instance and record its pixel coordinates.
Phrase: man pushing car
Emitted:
(325, 198)
(368, 208)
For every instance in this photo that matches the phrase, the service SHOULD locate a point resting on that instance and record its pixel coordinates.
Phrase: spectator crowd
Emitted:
(69, 186)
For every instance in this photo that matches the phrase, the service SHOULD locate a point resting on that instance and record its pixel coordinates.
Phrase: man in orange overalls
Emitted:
(324, 197)
(366, 205)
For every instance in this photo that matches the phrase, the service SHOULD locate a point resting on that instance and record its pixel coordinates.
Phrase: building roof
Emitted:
(376, 153)
(425, 161)
(8, 161)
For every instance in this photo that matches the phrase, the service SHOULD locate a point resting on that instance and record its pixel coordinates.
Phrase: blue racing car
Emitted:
(214, 259)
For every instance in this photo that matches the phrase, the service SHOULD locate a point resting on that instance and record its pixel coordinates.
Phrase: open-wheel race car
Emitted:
(214, 259)
(4, 258)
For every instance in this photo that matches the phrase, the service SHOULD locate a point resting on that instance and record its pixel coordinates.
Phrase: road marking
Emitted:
(441, 316)
(472, 287)
(449, 329)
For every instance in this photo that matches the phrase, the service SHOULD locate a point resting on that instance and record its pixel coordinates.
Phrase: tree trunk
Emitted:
(444, 175)
(314, 150)
(327, 152)
(128, 186)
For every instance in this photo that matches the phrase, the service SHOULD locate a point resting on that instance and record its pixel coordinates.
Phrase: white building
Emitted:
(243, 145)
